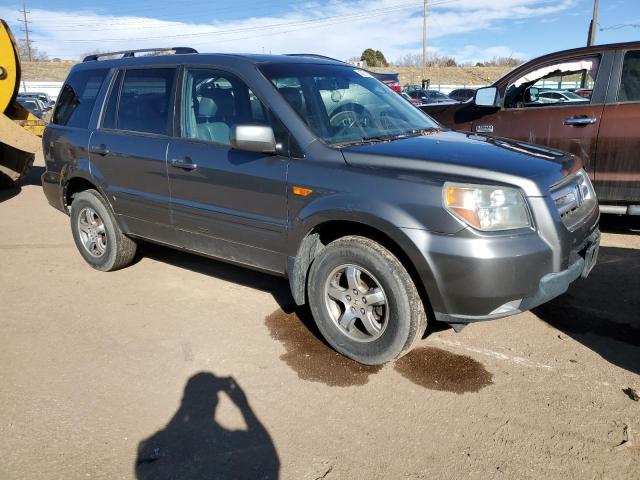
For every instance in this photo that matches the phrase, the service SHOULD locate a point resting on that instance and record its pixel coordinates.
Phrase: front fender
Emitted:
(369, 213)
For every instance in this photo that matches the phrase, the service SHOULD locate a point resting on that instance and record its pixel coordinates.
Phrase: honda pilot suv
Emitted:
(314, 170)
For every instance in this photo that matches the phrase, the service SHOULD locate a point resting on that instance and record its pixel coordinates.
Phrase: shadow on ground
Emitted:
(33, 178)
(626, 224)
(278, 287)
(603, 311)
(194, 446)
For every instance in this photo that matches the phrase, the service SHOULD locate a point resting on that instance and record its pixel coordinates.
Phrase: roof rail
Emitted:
(131, 53)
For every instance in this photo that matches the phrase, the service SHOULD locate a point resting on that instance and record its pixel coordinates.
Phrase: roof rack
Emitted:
(131, 53)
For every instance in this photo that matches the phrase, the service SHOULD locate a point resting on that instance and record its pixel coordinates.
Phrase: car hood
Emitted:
(472, 156)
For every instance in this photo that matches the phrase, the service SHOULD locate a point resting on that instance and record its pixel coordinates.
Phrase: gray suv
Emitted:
(314, 170)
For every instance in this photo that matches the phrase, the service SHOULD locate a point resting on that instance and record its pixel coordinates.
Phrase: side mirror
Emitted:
(253, 138)
(486, 97)
(534, 94)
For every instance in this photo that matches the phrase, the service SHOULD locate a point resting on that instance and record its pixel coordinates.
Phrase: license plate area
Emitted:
(591, 256)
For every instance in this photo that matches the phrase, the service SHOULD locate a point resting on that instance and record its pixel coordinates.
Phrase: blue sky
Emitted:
(470, 30)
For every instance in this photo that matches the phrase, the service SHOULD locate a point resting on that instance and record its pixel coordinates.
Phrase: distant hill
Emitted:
(57, 71)
(448, 75)
(46, 71)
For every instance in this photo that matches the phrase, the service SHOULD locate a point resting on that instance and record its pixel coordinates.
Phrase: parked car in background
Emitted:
(412, 101)
(391, 80)
(462, 94)
(583, 92)
(34, 105)
(554, 96)
(430, 96)
(314, 170)
(601, 127)
(43, 97)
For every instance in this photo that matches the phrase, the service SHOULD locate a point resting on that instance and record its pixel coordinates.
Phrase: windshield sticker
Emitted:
(362, 73)
(484, 128)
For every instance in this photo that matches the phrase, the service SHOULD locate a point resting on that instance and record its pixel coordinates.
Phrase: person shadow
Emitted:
(194, 446)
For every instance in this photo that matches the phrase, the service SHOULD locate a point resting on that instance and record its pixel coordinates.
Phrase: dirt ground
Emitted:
(182, 367)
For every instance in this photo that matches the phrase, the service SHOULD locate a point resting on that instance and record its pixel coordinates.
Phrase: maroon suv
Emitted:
(585, 101)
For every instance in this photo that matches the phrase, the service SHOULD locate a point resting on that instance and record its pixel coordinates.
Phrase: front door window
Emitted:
(569, 82)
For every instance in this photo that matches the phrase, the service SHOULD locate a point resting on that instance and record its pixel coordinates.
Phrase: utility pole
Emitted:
(26, 22)
(424, 42)
(593, 25)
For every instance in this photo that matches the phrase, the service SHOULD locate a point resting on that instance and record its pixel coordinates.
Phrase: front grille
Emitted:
(574, 198)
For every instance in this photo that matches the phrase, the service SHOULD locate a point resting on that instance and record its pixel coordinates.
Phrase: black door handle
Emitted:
(99, 149)
(184, 163)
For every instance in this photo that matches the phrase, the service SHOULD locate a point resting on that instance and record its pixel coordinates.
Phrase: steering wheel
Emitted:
(349, 117)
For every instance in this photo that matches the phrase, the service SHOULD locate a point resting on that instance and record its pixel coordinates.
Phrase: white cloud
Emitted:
(336, 28)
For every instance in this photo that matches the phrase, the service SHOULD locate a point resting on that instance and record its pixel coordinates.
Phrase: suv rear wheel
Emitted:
(364, 301)
(97, 235)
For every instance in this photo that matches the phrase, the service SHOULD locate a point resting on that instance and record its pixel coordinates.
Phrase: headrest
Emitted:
(207, 107)
(223, 99)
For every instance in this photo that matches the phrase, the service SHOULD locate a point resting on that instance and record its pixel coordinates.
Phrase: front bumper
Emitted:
(550, 286)
(471, 277)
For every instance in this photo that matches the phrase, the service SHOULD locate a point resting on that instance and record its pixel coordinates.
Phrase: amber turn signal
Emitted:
(303, 192)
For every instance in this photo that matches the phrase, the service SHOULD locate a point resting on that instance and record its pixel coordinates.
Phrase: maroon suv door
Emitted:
(617, 173)
(569, 123)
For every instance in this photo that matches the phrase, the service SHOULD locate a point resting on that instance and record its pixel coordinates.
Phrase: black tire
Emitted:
(118, 251)
(406, 319)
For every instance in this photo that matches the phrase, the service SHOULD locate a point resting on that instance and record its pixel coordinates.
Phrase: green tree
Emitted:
(374, 58)
(381, 61)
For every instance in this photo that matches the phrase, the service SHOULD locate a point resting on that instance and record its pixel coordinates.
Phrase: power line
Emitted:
(619, 26)
(309, 22)
(26, 22)
(130, 21)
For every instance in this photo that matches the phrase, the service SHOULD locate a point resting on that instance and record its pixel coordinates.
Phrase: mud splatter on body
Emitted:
(438, 369)
(310, 357)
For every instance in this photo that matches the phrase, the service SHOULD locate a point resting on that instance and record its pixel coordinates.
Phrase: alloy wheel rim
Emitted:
(92, 232)
(356, 303)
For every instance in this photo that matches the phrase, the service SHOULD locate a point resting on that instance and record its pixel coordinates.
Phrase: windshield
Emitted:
(345, 105)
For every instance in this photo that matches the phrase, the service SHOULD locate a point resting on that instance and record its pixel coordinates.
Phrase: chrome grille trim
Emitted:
(574, 198)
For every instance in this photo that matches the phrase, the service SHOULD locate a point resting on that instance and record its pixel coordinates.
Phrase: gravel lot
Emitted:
(183, 367)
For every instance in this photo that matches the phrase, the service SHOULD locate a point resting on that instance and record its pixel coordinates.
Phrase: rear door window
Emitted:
(78, 96)
(630, 82)
(140, 101)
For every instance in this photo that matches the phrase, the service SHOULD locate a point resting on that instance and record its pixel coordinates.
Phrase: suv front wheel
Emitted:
(97, 235)
(364, 301)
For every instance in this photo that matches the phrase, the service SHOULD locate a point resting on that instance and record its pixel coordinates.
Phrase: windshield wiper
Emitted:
(372, 139)
(390, 138)
(423, 131)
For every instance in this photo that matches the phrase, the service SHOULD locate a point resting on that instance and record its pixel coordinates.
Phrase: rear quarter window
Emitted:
(78, 97)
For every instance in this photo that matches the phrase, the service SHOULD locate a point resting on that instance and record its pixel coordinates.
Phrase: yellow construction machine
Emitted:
(20, 130)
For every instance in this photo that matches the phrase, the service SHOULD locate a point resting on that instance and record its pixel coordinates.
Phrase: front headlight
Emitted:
(485, 207)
